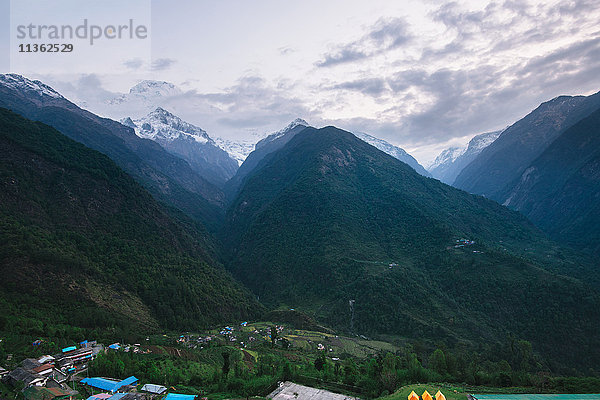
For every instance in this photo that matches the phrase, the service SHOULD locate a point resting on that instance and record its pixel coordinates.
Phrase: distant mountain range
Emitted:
(237, 149)
(560, 190)
(312, 218)
(84, 245)
(393, 151)
(168, 177)
(543, 166)
(148, 95)
(450, 162)
(186, 141)
(507, 157)
(327, 218)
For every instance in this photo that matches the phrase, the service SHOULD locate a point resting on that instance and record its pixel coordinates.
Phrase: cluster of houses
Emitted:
(463, 242)
(45, 378)
(193, 342)
(111, 389)
(134, 348)
(48, 377)
(227, 333)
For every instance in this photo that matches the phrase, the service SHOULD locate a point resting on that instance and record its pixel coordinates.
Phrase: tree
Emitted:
(350, 372)
(437, 362)
(226, 365)
(320, 361)
(273, 335)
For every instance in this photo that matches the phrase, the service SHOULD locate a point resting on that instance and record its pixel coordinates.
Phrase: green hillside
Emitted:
(560, 190)
(84, 245)
(167, 177)
(329, 219)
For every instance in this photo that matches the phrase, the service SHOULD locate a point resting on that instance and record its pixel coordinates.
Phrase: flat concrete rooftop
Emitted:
(293, 391)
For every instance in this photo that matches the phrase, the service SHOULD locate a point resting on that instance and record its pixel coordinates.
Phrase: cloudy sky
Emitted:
(423, 75)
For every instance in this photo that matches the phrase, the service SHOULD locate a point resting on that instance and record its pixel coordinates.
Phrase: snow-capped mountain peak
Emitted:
(154, 88)
(282, 132)
(480, 142)
(238, 150)
(128, 122)
(289, 127)
(448, 155)
(161, 125)
(382, 145)
(295, 123)
(394, 151)
(20, 83)
(448, 164)
(187, 141)
(146, 95)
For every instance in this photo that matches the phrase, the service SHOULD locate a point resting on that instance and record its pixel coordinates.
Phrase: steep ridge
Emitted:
(507, 157)
(187, 141)
(167, 177)
(560, 190)
(394, 151)
(450, 162)
(264, 147)
(328, 219)
(83, 244)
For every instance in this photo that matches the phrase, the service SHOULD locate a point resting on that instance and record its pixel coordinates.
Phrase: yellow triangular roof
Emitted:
(440, 396)
(413, 396)
(426, 396)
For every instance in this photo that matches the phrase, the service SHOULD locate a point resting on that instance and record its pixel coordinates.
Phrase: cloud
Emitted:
(285, 50)
(476, 69)
(468, 101)
(134, 63)
(87, 89)
(161, 64)
(341, 56)
(252, 102)
(455, 70)
(384, 35)
(371, 86)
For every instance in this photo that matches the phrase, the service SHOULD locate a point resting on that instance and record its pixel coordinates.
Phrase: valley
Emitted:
(328, 258)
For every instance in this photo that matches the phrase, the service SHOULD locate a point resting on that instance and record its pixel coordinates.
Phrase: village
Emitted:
(65, 375)
(71, 372)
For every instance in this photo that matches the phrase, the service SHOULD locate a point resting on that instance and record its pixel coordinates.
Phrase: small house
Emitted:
(154, 389)
(45, 393)
(27, 377)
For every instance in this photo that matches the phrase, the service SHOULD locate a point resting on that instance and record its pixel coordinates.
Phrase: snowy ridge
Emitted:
(289, 127)
(186, 141)
(447, 156)
(160, 125)
(450, 162)
(238, 150)
(394, 151)
(382, 145)
(154, 88)
(20, 83)
(147, 92)
(480, 142)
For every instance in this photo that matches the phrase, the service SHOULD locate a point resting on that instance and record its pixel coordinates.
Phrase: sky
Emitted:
(423, 75)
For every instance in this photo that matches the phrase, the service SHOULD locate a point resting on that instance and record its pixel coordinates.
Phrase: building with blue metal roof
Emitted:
(109, 385)
(176, 396)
